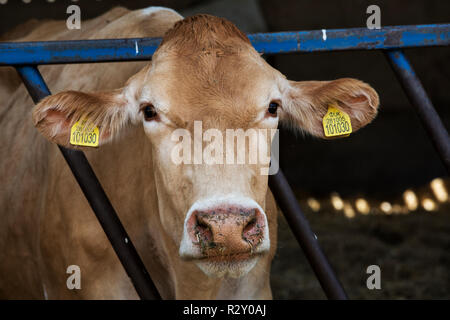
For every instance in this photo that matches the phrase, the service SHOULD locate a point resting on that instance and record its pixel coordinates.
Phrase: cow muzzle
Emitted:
(225, 237)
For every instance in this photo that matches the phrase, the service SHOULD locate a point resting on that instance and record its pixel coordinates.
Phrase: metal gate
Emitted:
(26, 56)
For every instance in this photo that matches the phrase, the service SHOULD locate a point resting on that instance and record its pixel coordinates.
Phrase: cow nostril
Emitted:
(250, 225)
(253, 232)
(203, 231)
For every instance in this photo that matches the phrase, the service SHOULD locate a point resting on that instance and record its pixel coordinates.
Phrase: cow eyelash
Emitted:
(149, 112)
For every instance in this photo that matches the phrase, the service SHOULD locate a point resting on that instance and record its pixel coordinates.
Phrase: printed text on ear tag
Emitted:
(84, 135)
(336, 123)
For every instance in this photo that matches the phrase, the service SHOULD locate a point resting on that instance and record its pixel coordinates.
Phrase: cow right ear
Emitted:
(109, 111)
(55, 115)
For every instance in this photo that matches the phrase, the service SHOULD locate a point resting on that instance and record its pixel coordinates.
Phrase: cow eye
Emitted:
(273, 107)
(149, 112)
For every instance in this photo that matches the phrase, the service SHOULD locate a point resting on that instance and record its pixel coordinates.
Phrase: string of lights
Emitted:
(430, 198)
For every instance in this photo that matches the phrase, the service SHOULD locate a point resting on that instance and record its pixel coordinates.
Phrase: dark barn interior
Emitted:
(377, 164)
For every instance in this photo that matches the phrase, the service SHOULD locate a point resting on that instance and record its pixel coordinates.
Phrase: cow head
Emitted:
(207, 76)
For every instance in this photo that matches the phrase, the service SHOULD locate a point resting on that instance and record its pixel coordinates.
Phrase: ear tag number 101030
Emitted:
(336, 123)
(84, 135)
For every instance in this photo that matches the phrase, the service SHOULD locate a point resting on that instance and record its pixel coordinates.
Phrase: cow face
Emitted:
(205, 90)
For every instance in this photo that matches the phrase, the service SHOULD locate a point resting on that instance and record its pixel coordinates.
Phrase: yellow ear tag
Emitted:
(82, 135)
(336, 123)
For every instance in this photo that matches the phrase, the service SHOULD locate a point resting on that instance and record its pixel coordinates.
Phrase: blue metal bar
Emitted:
(421, 102)
(108, 50)
(97, 198)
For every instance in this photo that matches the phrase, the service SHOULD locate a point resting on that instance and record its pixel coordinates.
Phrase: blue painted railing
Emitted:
(107, 50)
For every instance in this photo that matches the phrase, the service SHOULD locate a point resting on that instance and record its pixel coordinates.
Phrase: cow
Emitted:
(203, 230)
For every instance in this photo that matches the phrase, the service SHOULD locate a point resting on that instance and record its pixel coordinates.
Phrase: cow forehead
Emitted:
(206, 68)
(234, 87)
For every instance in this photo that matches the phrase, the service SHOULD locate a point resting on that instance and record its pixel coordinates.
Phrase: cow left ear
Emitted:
(305, 103)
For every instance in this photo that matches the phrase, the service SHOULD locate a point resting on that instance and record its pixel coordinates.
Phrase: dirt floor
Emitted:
(412, 251)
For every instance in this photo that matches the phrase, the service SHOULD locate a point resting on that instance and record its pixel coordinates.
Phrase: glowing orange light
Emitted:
(386, 207)
(336, 201)
(348, 210)
(411, 200)
(362, 206)
(439, 189)
(313, 204)
(428, 204)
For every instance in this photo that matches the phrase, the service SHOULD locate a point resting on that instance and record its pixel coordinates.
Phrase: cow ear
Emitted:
(109, 111)
(305, 103)
(55, 115)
